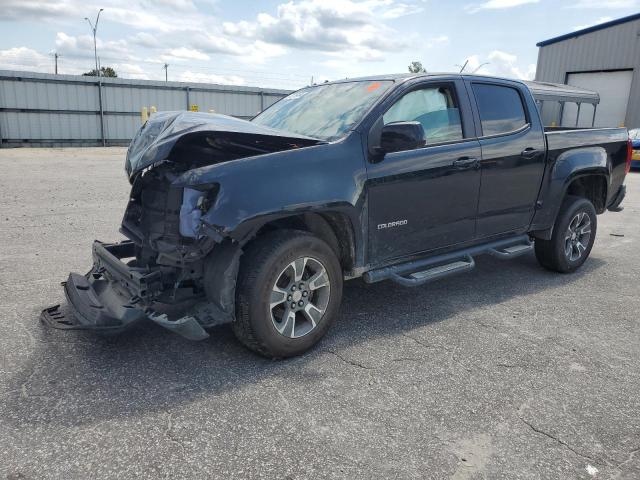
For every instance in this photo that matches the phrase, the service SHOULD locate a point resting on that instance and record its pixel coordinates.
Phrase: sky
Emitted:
(282, 44)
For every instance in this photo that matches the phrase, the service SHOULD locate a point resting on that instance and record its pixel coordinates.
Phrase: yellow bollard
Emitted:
(153, 109)
(194, 108)
(144, 116)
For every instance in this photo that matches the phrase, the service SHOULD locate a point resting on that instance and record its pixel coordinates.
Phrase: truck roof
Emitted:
(400, 77)
(542, 91)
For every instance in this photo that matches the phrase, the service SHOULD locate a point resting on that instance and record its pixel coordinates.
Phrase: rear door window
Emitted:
(500, 108)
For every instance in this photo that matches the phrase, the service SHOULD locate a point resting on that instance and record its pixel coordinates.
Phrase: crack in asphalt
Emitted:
(443, 348)
(168, 433)
(619, 466)
(349, 362)
(24, 386)
(558, 440)
(406, 359)
(419, 342)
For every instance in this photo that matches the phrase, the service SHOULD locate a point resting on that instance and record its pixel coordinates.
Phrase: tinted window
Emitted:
(435, 108)
(500, 108)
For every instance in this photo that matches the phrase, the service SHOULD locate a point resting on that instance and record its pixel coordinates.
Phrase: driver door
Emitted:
(426, 198)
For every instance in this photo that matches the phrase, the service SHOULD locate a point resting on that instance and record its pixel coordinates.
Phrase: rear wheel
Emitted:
(288, 293)
(573, 236)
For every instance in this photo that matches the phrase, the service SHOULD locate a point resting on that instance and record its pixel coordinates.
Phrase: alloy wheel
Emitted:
(299, 297)
(577, 236)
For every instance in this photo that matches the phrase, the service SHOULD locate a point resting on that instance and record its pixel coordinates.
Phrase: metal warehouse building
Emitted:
(604, 58)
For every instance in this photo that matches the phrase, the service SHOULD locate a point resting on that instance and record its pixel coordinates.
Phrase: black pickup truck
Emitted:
(404, 178)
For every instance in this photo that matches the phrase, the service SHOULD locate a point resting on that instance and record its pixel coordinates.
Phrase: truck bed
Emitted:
(611, 143)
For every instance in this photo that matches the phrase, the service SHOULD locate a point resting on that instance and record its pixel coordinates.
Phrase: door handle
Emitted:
(464, 163)
(529, 152)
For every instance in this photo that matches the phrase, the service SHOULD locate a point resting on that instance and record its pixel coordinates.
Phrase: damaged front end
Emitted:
(174, 268)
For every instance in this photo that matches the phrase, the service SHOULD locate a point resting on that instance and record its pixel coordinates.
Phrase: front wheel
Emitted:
(573, 235)
(288, 293)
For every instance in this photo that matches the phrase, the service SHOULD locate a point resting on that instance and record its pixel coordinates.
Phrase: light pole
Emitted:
(94, 29)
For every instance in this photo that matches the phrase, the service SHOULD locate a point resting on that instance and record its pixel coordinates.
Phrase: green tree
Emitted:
(104, 72)
(416, 67)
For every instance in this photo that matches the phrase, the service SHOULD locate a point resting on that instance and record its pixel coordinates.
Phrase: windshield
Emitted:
(634, 134)
(326, 112)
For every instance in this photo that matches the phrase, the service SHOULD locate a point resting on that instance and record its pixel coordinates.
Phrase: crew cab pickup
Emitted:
(404, 178)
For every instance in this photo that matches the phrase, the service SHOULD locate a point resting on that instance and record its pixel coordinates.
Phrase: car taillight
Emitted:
(627, 167)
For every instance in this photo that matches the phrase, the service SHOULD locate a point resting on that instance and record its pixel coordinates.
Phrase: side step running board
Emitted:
(512, 251)
(434, 273)
(421, 271)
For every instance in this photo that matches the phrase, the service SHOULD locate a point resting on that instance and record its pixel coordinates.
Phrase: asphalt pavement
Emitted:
(509, 371)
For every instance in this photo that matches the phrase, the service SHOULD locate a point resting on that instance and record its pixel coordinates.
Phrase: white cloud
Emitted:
(400, 9)
(216, 44)
(179, 31)
(327, 25)
(199, 77)
(26, 59)
(183, 53)
(35, 9)
(145, 39)
(500, 64)
(597, 22)
(82, 46)
(131, 70)
(259, 52)
(157, 16)
(437, 41)
(23, 58)
(497, 5)
(604, 5)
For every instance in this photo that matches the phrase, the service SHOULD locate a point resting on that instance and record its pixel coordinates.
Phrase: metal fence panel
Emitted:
(56, 110)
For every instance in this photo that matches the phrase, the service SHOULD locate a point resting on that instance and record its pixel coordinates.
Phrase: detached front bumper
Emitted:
(111, 298)
(114, 296)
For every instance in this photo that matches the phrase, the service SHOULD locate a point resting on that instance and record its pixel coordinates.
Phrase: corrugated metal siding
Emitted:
(614, 48)
(43, 109)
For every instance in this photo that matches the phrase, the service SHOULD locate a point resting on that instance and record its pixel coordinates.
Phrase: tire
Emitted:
(267, 274)
(574, 233)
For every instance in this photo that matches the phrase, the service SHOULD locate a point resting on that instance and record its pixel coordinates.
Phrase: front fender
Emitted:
(256, 190)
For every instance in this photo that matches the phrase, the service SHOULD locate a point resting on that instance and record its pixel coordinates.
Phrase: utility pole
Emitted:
(94, 29)
(166, 72)
(56, 56)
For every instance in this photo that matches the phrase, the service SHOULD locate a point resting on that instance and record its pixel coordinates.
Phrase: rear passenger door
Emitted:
(513, 155)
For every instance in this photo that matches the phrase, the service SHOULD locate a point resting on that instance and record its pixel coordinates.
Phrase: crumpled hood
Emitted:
(156, 138)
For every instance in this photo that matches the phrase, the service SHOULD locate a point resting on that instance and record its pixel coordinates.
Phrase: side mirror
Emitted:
(399, 136)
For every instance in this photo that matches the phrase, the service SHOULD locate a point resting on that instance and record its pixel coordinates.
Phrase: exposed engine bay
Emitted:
(169, 257)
